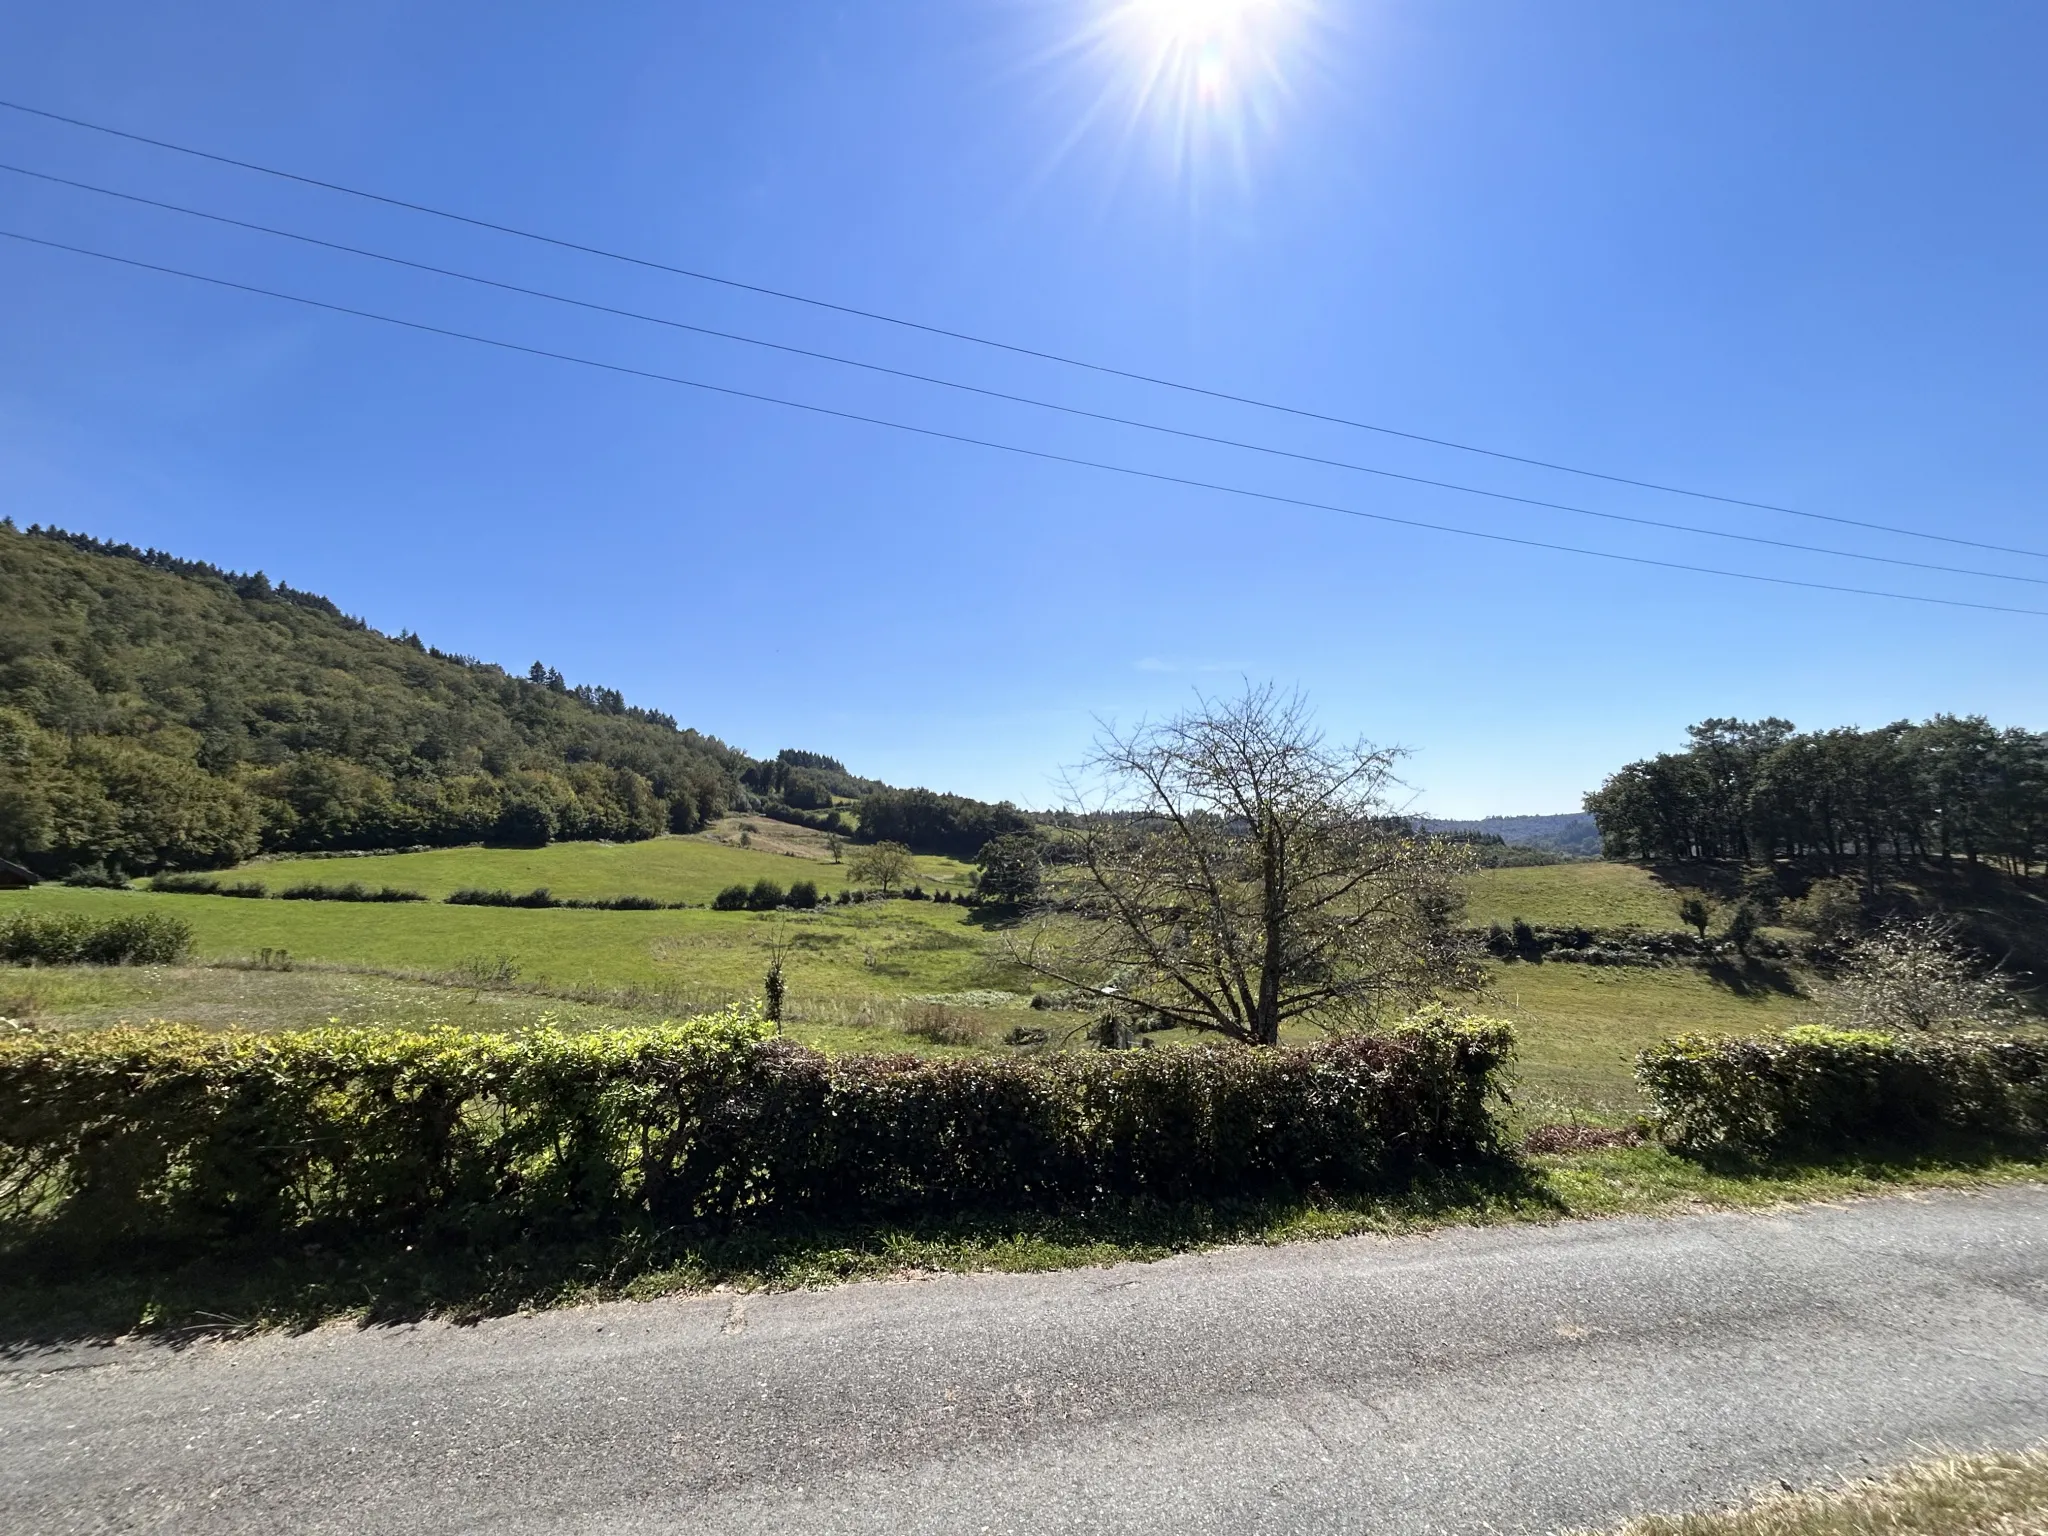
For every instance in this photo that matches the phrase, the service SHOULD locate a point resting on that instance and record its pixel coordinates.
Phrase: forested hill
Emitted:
(1570, 833)
(159, 713)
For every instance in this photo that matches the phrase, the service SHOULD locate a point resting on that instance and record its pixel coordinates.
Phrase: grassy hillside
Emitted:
(692, 869)
(1588, 895)
(1581, 1026)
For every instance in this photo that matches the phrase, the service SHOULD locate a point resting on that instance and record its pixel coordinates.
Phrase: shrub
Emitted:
(1816, 1090)
(1831, 910)
(942, 1025)
(71, 938)
(205, 885)
(486, 971)
(1912, 976)
(803, 895)
(732, 899)
(766, 896)
(186, 885)
(184, 1134)
(97, 877)
(355, 890)
(471, 896)
(1743, 928)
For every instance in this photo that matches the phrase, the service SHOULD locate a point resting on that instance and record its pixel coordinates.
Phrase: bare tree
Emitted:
(1232, 871)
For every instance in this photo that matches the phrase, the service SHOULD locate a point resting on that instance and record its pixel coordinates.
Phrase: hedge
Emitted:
(207, 885)
(72, 938)
(355, 890)
(1814, 1090)
(181, 1133)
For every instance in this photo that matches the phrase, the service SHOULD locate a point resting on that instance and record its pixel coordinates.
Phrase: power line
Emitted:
(1013, 448)
(1001, 346)
(997, 394)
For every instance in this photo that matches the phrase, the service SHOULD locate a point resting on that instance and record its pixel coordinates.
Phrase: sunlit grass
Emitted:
(1999, 1494)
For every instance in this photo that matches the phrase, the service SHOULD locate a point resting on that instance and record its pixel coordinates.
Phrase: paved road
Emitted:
(1514, 1380)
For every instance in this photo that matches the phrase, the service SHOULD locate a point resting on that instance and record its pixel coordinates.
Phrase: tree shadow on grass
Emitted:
(1751, 977)
(59, 1293)
(1879, 1163)
(996, 917)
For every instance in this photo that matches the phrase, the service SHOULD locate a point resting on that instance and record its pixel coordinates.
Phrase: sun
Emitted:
(1204, 74)
(1202, 41)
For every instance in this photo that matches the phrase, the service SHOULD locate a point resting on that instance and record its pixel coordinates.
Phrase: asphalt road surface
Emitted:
(1505, 1379)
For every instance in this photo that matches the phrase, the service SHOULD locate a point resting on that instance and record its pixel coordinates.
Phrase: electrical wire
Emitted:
(1004, 346)
(997, 394)
(1011, 448)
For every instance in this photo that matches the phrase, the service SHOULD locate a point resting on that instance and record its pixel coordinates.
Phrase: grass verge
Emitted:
(2002, 1494)
(51, 1296)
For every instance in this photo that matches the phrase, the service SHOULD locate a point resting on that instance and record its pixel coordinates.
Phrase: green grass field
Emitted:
(1591, 895)
(851, 971)
(882, 949)
(1580, 1027)
(692, 869)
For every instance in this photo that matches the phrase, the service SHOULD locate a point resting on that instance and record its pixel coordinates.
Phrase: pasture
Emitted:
(855, 974)
(692, 869)
(1588, 895)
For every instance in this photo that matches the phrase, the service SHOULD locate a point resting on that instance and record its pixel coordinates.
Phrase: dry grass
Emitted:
(1994, 1495)
(939, 1024)
(766, 836)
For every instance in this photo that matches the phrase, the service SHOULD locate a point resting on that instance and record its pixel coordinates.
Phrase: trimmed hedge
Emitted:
(72, 938)
(206, 885)
(179, 1133)
(476, 896)
(355, 890)
(1814, 1090)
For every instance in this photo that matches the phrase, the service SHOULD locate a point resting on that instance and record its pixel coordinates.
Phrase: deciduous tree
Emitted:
(1236, 872)
(881, 865)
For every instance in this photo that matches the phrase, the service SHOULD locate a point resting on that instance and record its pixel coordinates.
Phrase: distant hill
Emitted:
(1571, 833)
(164, 713)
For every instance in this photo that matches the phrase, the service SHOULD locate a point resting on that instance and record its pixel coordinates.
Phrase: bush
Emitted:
(1912, 976)
(942, 1025)
(766, 896)
(97, 877)
(71, 938)
(205, 885)
(1817, 1091)
(732, 899)
(471, 896)
(183, 1134)
(355, 890)
(617, 904)
(803, 895)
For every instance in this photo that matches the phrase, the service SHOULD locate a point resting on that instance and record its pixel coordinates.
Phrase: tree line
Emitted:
(158, 713)
(1952, 787)
(928, 822)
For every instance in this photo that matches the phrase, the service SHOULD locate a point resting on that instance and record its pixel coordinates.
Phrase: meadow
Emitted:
(671, 869)
(1586, 895)
(856, 974)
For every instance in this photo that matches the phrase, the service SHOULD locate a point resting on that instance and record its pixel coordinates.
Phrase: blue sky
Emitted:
(1786, 252)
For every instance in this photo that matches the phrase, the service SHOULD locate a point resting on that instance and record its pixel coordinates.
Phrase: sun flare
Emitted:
(1203, 73)
(1204, 39)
